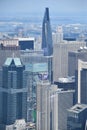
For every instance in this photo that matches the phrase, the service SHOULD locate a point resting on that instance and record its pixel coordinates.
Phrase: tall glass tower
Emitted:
(47, 34)
(13, 91)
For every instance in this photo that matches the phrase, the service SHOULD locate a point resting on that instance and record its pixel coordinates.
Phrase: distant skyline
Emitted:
(57, 7)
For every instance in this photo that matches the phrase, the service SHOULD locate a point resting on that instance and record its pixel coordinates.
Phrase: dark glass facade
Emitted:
(26, 45)
(47, 34)
(13, 92)
(77, 117)
(84, 86)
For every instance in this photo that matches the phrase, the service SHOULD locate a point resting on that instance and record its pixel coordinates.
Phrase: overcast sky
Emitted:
(60, 7)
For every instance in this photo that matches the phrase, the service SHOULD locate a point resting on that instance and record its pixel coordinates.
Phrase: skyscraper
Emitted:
(82, 82)
(61, 101)
(39, 68)
(13, 92)
(73, 60)
(47, 34)
(60, 57)
(43, 106)
(58, 35)
(7, 48)
(77, 116)
(26, 43)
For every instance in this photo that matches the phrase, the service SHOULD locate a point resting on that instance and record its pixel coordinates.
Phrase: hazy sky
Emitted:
(60, 7)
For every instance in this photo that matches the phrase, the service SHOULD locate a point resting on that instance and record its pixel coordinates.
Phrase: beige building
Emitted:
(42, 104)
(8, 47)
(61, 101)
(44, 90)
(60, 57)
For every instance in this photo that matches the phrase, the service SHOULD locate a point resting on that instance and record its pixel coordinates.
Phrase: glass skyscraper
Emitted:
(13, 92)
(47, 34)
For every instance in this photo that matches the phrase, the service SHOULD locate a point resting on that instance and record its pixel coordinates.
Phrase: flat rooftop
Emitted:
(78, 108)
(67, 79)
(26, 39)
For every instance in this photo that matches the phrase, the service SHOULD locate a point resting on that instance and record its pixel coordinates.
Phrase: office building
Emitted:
(37, 45)
(38, 72)
(13, 92)
(39, 68)
(43, 106)
(8, 47)
(9, 44)
(32, 57)
(82, 82)
(77, 116)
(52, 105)
(47, 45)
(58, 35)
(73, 59)
(60, 57)
(67, 83)
(61, 101)
(26, 43)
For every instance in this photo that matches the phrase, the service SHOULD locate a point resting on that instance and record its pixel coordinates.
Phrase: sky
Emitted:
(59, 7)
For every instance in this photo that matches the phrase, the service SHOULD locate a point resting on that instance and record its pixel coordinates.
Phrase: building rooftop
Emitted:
(61, 90)
(26, 39)
(67, 79)
(71, 42)
(16, 61)
(78, 108)
(80, 50)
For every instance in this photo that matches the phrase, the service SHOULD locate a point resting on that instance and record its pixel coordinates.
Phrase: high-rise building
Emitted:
(60, 57)
(43, 106)
(77, 116)
(26, 43)
(47, 45)
(52, 105)
(82, 82)
(61, 101)
(9, 44)
(39, 68)
(67, 83)
(73, 59)
(13, 92)
(58, 35)
(7, 48)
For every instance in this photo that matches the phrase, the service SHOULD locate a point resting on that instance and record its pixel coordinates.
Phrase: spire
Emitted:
(47, 14)
(47, 34)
